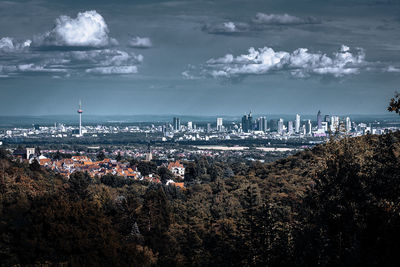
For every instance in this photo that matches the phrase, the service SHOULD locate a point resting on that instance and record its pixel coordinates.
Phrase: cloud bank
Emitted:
(89, 51)
(283, 19)
(140, 42)
(300, 63)
(226, 28)
(259, 22)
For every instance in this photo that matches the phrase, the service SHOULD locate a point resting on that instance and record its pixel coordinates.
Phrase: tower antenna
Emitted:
(80, 111)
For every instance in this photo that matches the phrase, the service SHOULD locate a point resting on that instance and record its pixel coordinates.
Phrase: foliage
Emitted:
(335, 205)
(394, 104)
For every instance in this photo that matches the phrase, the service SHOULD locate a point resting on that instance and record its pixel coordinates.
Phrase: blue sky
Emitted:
(198, 57)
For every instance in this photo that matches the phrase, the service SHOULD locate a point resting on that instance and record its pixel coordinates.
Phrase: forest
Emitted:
(336, 204)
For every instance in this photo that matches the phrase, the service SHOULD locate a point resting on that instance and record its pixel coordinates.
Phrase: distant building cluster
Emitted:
(247, 127)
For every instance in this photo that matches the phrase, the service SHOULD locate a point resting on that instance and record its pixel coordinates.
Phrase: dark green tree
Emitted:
(165, 174)
(34, 166)
(101, 156)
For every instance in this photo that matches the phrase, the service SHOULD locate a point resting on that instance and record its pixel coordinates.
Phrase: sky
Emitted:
(191, 57)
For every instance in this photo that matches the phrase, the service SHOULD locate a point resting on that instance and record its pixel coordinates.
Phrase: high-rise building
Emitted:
(247, 123)
(290, 127)
(220, 126)
(348, 124)
(190, 125)
(309, 127)
(176, 124)
(273, 125)
(319, 120)
(297, 124)
(334, 124)
(262, 124)
(208, 127)
(280, 126)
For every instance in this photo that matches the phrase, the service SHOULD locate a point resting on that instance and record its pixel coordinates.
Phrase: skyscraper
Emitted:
(176, 124)
(280, 126)
(348, 124)
(297, 124)
(262, 124)
(208, 127)
(319, 120)
(190, 125)
(334, 124)
(290, 127)
(247, 123)
(309, 127)
(220, 126)
(273, 125)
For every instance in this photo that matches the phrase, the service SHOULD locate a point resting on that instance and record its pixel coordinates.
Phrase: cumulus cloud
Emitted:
(299, 63)
(140, 42)
(283, 19)
(226, 28)
(88, 29)
(7, 44)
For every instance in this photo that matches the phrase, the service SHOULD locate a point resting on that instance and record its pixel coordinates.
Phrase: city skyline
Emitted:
(198, 57)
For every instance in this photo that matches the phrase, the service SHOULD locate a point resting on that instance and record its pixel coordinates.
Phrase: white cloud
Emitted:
(87, 29)
(113, 70)
(226, 28)
(392, 69)
(38, 68)
(300, 63)
(7, 44)
(140, 42)
(283, 19)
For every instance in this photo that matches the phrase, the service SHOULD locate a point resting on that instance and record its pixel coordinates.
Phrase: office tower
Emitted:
(290, 127)
(297, 124)
(273, 125)
(348, 124)
(190, 125)
(309, 127)
(334, 123)
(176, 124)
(208, 127)
(247, 123)
(219, 125)
(324, 126)
(262, 124)
(280, 126)
(319, 120)
(80, 111)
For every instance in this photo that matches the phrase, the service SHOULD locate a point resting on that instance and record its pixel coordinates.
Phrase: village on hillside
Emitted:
(99, 168)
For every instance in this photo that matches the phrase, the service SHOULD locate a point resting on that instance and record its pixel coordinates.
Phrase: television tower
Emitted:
(80, 111)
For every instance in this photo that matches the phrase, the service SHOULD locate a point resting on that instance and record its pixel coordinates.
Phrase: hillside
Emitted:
(335, 205)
